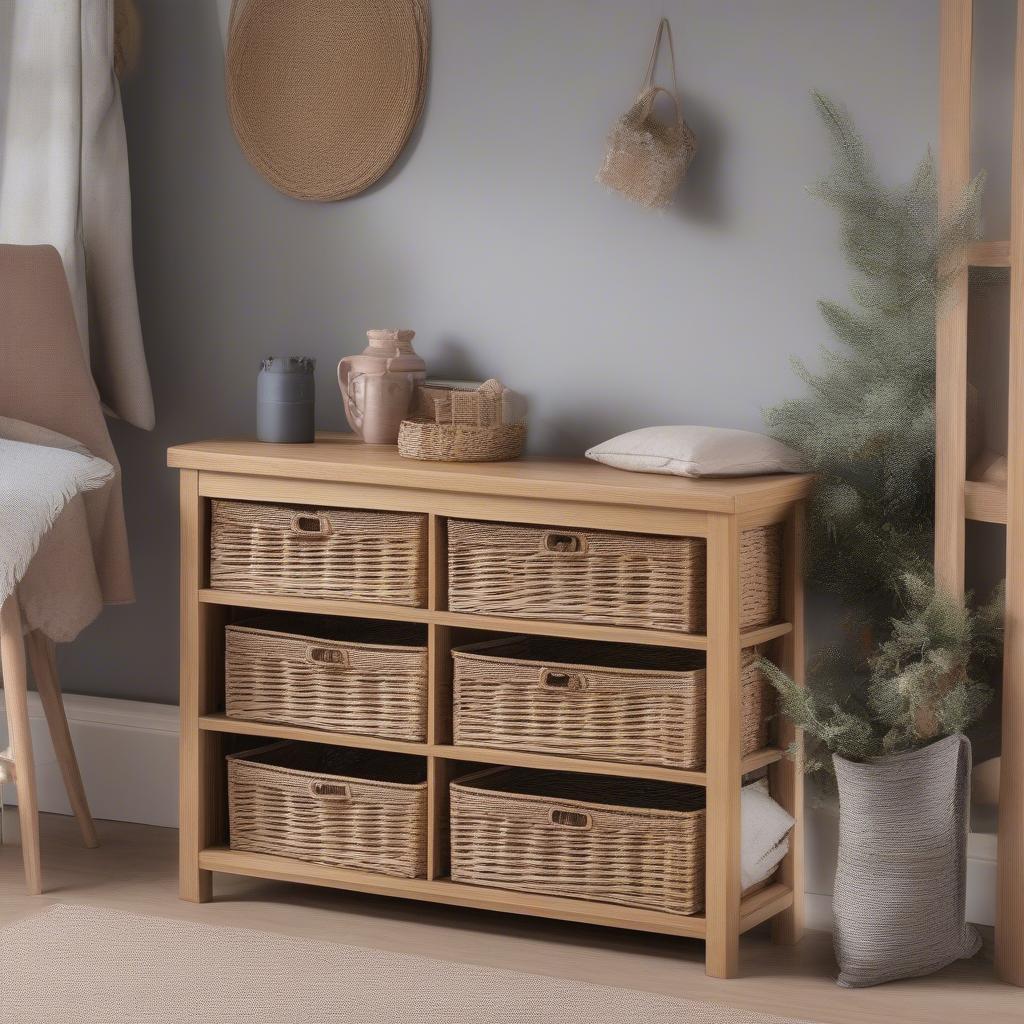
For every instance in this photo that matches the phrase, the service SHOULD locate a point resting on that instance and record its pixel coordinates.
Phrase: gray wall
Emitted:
(491, 238)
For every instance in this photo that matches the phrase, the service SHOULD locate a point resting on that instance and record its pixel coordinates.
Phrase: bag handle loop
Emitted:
(663, 28)
(645, 103)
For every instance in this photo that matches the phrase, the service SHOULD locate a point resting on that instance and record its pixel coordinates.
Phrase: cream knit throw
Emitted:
(36, 484)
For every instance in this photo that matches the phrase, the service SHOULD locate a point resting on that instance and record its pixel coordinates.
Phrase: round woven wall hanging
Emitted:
(323, 94)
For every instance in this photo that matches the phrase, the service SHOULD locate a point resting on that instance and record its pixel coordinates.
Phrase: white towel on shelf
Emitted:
(765, 828)
(44, 536)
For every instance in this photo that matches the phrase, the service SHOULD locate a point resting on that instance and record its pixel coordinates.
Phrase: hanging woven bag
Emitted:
(648, 156)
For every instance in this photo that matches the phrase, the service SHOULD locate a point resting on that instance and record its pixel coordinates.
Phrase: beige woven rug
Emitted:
(80, 964)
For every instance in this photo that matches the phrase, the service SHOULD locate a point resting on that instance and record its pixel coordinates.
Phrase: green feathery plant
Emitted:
(912, 666)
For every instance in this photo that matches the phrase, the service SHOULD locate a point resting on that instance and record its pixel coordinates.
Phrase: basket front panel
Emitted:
(378, 829)
(618, 579)
(654, 719)
(377, 692)
(652, 861)
(366, 556)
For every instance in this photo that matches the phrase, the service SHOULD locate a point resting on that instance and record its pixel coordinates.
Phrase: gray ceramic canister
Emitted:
(285, 392)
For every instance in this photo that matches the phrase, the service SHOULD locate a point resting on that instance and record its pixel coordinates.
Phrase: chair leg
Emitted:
(12, 657)
(43, 660)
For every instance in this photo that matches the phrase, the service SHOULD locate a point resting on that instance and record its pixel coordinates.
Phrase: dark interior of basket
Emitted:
(649, 794)
(595, 653)
(372, 765)
(328, 627)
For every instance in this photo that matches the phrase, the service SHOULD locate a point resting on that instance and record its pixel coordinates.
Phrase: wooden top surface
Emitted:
(341, 458)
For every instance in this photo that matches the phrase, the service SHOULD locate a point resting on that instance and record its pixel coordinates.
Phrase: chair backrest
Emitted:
(44, 380)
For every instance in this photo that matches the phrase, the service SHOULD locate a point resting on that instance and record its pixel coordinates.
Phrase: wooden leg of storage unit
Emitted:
(722, 899)
(787, 775)
(200, 776)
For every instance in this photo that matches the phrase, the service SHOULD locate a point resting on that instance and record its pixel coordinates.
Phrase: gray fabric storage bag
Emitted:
(900, 892)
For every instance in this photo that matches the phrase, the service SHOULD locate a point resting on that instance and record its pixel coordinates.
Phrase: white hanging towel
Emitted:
(64, 178)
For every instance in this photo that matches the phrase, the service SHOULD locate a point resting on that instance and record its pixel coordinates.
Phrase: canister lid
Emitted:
(289, 364)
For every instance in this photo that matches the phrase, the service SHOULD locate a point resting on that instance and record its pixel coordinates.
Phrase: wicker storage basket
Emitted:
(346, 675)
(331, 805)
(614, 702)
(635, 842)
(620, 579)
(460, 442)
(343, 553)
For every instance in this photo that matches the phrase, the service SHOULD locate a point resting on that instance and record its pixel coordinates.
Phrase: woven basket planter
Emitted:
(615, 579)
(345, 675)
(614, 702)
(460, 442)
(342, 553)
(633, 842)
(331, 805)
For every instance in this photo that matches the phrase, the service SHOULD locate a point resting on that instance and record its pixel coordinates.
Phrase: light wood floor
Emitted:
(134, 869)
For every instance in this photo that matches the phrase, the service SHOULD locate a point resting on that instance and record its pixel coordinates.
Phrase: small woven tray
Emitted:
(460, 442)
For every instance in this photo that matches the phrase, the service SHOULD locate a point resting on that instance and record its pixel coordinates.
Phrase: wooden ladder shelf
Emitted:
(998, 497)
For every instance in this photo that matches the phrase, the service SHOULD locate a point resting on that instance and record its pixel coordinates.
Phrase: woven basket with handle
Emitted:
(351, 554)
(616, 579)
(346, 675)
(635, 842)
(350, 808)
(613, 702)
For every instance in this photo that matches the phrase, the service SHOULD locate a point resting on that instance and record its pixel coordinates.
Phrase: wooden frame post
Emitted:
(787, 776)
(1009, 951)
(724, 760)
(951, 328)
(198, 810)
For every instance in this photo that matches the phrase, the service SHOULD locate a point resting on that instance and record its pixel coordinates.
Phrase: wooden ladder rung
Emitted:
(988, 254)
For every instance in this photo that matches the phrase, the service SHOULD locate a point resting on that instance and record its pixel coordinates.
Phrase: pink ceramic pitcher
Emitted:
(378, 384)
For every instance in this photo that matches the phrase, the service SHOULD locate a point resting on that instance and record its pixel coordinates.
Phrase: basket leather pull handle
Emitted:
(568, 682)
(324, 790)
(335, 657)
(579, 820)
(311, 524)
(564, 543)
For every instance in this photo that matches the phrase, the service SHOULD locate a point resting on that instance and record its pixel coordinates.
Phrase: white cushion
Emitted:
(697, 451)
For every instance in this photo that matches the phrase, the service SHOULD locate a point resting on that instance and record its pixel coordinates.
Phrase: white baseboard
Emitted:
(128, 753)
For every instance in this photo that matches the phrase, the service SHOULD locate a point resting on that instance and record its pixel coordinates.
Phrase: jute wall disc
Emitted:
(323, 94)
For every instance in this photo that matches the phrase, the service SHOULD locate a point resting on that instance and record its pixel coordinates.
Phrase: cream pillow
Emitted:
(697, 451)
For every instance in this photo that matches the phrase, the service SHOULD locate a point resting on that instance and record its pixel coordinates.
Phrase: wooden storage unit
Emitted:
(568, 496)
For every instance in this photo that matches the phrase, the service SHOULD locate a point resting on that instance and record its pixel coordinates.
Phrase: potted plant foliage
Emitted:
(885, 712)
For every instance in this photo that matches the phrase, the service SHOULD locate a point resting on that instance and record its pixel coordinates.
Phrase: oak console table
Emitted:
(337, 472)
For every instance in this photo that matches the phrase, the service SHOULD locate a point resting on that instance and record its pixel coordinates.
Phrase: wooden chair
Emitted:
(13, 647)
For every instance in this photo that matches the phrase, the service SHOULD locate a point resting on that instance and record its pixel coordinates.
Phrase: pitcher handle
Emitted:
(352, 414)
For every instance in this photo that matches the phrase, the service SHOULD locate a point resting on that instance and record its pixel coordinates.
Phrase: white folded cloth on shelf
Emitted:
(765, 828)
